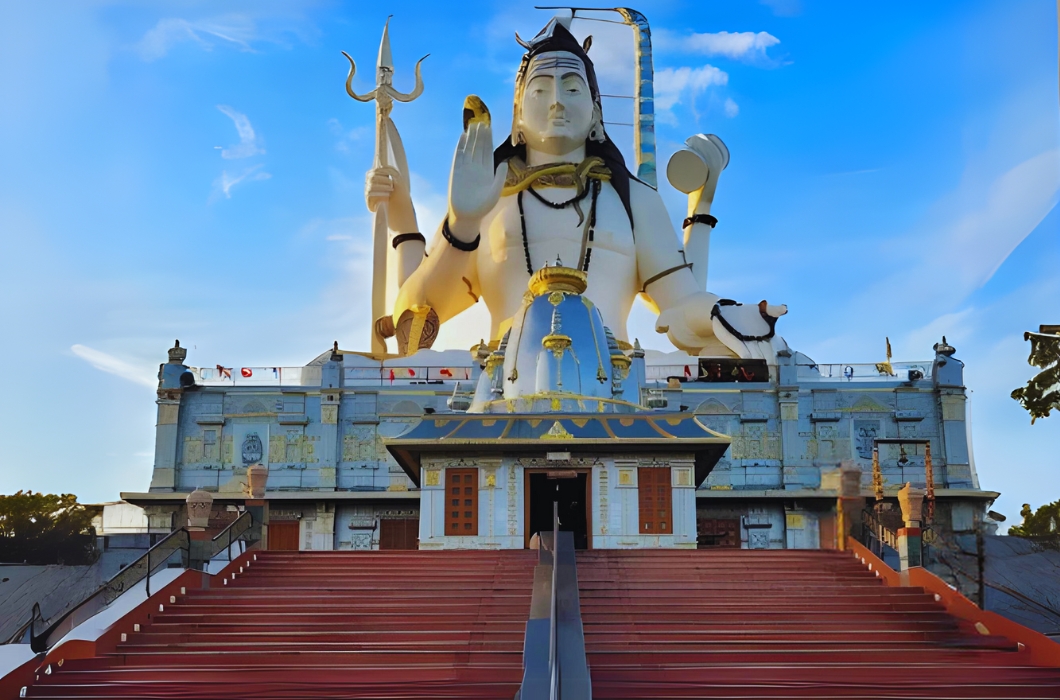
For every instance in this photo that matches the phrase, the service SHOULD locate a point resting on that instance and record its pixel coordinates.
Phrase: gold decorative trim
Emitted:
(558, 279)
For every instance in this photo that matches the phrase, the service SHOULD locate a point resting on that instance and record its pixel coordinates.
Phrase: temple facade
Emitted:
(366, 454)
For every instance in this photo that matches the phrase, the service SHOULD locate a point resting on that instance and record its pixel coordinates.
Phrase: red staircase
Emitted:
(327, 625)
(781, 624)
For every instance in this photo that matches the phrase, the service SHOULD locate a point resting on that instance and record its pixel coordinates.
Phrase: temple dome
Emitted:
(558, 355)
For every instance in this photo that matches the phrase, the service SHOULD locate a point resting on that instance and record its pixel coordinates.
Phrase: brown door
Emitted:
(826, 523)
(399, 533)
(283, 535)
(718, 532)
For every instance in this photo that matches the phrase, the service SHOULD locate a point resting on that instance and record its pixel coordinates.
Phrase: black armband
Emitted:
(402, 237)
(700, 219)
(456, 242)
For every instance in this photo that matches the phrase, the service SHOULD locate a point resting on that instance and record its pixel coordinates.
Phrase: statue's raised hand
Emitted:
(474, 186)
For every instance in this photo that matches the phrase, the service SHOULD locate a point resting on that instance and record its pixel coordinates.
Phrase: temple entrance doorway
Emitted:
(567, 487)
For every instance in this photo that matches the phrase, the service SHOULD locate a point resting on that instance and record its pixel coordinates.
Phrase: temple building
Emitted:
(667, 450)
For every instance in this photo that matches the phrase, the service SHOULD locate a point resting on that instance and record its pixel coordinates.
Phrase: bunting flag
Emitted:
(224, 372)
(688, 372)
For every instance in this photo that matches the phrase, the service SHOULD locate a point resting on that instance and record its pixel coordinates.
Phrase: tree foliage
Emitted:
(1042, 393)
(38, 528)
(1040, 523)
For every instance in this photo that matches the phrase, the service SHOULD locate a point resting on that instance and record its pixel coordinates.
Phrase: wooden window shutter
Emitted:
(656, 501)
(461, 502)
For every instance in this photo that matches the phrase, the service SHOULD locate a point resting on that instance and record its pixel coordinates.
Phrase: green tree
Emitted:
(1042, 393)
(1040, 523)
(38, 528)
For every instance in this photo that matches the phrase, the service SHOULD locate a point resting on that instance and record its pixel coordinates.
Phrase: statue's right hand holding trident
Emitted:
(387, 189)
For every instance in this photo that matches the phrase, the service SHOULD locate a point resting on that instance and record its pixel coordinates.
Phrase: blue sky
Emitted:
(194, 170)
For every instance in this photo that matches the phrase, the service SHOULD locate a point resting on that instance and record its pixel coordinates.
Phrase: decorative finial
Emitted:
(944, 348)
(177, 354)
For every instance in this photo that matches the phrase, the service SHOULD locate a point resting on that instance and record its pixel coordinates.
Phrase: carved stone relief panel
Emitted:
(361, 540)
(514, 502)
(755, 442)
(251, 443)
(192, 450)
(329, 415)
(865, 432)
(360, 443)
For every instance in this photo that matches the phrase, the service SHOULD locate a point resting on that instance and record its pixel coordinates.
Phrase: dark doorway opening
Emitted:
(570, 493)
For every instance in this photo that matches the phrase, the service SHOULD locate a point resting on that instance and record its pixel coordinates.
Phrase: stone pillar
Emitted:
(848, 504)
(167, 427)
(911, 500)
(199, 504)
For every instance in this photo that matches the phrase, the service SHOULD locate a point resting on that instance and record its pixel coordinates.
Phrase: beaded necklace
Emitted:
(587, 235)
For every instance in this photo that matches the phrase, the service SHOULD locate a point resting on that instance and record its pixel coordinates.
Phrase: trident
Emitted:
(384, 95)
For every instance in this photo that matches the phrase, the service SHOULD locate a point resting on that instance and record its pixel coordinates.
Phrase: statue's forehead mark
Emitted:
(568, 74)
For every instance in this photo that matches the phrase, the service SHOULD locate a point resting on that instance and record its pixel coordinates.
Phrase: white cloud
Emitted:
(1014, 205)
(971, 233)
(673, 85)
(137, 374)
(226, 182)
(740, 46)
(731, 108)
(248, 140)
(232, 30)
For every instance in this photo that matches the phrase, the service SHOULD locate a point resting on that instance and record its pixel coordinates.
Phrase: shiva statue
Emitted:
(558, 189)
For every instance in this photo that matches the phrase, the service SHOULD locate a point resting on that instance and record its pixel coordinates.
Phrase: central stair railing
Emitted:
(554, 663)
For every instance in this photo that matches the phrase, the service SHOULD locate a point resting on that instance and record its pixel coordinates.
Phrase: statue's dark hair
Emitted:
(560, 39)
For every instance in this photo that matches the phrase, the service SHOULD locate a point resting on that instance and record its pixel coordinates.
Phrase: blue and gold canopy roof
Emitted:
(578, 433)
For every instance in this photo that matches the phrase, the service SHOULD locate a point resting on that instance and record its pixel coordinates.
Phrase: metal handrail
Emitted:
(137, 571)
(140, 569)
(553, 651)
(234, 532)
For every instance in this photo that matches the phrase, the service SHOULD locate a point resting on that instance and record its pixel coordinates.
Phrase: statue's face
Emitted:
(557, 110)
